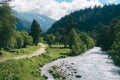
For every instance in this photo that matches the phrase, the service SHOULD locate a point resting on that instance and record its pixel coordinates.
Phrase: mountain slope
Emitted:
(25, 19)
(89, 19)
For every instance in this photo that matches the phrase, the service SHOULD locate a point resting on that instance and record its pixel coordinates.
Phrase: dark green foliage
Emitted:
(7, 27)
(10, 38)
(62, 33)
(105, 37)
(68, 35)
(28, 40)
(76, 45)
(88, 41)
(19, 39)
(114, 50)
(88, 20)
(63, 29)
(69, 24)
(35, 32)
(56, 75)
(1, 53)
(109, 39)
(65, 40)
(50, 39)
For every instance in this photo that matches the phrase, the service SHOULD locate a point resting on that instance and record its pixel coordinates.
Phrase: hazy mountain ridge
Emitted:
(25, 19)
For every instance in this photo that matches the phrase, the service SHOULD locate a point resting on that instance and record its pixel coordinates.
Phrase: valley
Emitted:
(94, 64)
(59, 40)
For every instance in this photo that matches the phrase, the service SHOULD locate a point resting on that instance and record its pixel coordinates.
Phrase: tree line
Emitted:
(101, 23)
(10, 37)
(71, 37)
(109, 39)
(87, 20)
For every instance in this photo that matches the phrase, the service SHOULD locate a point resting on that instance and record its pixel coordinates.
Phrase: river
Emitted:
(91, 65)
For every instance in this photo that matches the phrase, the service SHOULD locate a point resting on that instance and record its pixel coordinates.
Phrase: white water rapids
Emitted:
(92, 65)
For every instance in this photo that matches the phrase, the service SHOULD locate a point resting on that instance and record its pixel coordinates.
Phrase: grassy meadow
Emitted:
(22, 51)
(28, 69)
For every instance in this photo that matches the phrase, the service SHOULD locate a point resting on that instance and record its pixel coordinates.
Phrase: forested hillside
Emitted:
(103, 24)
(73, 35)
(109, 39)
(89, 19)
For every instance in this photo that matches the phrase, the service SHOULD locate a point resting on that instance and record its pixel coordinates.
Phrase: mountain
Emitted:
(24, 20)
(88, 20)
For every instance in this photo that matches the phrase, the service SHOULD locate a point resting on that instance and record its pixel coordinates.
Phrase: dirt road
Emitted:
(38, 52)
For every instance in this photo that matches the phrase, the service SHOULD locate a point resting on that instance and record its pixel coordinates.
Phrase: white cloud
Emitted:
(52, 8)
(111, 1)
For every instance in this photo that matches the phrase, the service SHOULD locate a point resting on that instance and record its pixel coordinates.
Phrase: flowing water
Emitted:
(92, 65)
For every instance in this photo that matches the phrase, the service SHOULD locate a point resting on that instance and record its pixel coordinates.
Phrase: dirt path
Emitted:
(38, 52)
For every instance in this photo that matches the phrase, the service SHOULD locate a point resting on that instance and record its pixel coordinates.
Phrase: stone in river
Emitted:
(78, 76)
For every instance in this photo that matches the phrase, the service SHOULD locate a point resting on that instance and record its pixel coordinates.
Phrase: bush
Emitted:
(54, 67)
(28, 40)
(1, 53)
(56, 75)
(50, 71)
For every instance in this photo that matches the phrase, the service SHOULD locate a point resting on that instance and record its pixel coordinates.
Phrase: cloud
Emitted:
(111, 1)
(52, 8)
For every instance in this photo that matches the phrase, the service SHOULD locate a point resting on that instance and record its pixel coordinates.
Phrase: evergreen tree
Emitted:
(50, 39)
(7, 27)
(65, 40)
(69, 24)
(10, 38)
(88, 19)
(114, 50)
(109, 38)
(75, 43)
(105, 37)
(88, 41)
(35, 31)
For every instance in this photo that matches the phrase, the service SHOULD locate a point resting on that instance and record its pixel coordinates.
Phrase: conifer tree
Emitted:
(50, 39)
(7, 26)
(75, 43)
(35, 31)
(88, 41)
(69, 24)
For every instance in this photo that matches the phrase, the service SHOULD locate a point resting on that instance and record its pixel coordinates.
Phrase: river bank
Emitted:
(92, 65)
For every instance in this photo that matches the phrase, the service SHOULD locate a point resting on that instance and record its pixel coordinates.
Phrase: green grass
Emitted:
(57, 52)
(55, 73)
(28, 69)
(21, 51)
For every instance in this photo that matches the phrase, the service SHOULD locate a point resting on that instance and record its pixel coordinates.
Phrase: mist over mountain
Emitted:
(24, 20)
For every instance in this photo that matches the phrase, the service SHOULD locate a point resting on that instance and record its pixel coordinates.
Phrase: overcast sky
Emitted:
(57, 8)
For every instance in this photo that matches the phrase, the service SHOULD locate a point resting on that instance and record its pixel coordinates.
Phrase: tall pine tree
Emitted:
(35, 31)
(70, 24)
(7, 26)
(76, 45)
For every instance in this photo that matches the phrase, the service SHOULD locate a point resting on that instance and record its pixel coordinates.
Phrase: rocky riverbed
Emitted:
(91, 65)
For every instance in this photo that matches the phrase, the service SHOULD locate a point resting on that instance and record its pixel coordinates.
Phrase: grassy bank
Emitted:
(28, 69)
(21, 51)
